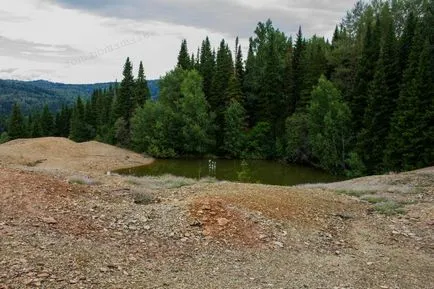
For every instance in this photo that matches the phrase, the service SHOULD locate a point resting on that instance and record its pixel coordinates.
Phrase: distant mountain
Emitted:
(33, 95)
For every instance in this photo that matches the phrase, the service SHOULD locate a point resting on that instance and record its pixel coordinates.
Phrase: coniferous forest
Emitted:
(359, 103)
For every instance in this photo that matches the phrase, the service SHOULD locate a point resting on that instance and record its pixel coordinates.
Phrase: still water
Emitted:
(250, 171)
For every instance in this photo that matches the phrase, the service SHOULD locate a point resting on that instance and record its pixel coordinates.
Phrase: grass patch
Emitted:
(143, 198)
(389, 208)
(134, 181)
(354, 193)
(373, 199)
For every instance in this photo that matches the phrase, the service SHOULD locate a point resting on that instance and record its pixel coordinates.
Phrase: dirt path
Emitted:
(125, 232)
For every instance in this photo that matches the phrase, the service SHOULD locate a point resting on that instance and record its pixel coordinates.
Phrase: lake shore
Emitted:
(66, 225)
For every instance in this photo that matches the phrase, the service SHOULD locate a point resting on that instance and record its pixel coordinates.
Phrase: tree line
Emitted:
(361, 103)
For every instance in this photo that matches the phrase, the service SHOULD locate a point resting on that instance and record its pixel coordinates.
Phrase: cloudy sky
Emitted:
(86, 41)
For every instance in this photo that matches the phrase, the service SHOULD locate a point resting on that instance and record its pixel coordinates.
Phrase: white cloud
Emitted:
(74, 44)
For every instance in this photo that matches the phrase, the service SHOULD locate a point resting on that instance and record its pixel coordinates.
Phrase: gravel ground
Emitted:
(108, 231)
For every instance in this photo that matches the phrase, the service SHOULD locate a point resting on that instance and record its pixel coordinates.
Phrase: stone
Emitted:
(222, 221)
(49, 220)
(278, 244)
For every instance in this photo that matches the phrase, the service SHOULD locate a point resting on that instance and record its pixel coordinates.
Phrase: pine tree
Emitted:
(142, 90)
(297, 67)
(124, 104)
(271, 97)
(383, 94)
(79, 128)
(16, 123)
(412, 134)
(239, 67)
(206, 67)
(365, 74)
(184, 61)
(406, 41)
(219, 98)
(47, 122)
(314, 64)
(288, 78)
(250, 87)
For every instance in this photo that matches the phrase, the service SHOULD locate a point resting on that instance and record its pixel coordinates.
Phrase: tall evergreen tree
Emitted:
(365, 74)
(142, 90)
(184, 60)
(16, 123)
(47, 122)
(239, 67)
(206, 67)
(219, 97)
(383, 94)
(124, 102)
(297, 67)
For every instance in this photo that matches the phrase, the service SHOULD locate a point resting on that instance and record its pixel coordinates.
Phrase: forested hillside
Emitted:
(33, 95)
(360, 103)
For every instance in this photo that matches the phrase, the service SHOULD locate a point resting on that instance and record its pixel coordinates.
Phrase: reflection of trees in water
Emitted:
(245, 174)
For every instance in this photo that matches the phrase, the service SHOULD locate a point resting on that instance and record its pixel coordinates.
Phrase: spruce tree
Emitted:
(365, 74)
(16, 123)
(47, 122)
(219, 97)
(383, 94)
(239, 67)
(412, 134)
(297, 67)
(250, 87)
(124, 102)
(206, 67)
(142, 93)
(184, 61)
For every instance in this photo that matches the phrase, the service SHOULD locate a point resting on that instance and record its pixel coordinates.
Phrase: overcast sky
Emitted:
(87, 41)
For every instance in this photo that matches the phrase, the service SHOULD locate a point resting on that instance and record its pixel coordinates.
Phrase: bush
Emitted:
(143, 198)
(4, 137)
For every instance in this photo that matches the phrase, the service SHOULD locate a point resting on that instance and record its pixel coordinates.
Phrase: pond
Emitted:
(248, 171)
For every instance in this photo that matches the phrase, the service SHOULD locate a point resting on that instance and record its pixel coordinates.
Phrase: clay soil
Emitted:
(110, 231)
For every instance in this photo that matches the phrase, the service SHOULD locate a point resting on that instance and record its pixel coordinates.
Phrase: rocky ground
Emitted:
(69, 228)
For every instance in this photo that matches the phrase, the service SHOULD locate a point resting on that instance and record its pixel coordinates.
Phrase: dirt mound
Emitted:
(64, 154)
(219, 220)
(41, 201)
(303, 207)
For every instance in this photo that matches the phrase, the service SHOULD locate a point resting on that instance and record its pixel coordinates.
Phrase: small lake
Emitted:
(249, 171)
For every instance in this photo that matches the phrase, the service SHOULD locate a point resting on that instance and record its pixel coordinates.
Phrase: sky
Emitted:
(88, 41)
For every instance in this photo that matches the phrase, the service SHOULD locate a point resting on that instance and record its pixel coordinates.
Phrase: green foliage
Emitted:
(184, 61)
(142, 92)
(150, 130)
(177, 124)
(4, 137)
(235, 127)
(259, 144)
(196, 122)
(16, 127)
(329, 118)
(297, 142)
(124, 103)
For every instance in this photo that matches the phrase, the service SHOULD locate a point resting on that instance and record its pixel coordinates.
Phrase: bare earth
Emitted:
(56, 233)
